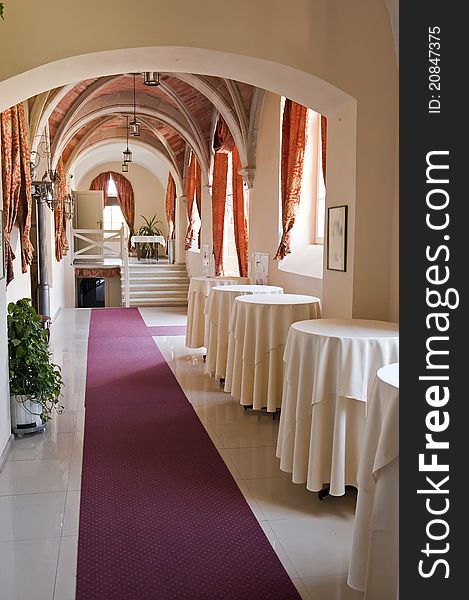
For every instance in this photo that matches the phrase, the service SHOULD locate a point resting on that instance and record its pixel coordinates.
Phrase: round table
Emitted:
(259, 327)
(374, 563)
(218, 310)
(199, 289)
(330, 366)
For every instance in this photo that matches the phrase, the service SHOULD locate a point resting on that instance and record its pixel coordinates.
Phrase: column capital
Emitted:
(248, 173)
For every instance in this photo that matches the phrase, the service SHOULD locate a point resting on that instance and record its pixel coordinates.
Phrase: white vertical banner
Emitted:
(261, 268)
(205, 260)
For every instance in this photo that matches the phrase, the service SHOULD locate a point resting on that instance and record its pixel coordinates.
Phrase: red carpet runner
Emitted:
(161, 518)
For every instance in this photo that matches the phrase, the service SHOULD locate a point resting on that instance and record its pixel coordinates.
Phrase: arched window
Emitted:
(113, 219)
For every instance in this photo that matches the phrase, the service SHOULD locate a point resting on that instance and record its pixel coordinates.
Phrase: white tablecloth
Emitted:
(218, 310)
(330, 366)
(199, 289)
(148, 239)
(259, 327)
(374, 564)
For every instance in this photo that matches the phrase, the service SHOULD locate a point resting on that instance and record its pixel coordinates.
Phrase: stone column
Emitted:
(39, 195)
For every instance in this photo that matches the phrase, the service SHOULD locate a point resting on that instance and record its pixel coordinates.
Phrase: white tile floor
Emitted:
(39, 487)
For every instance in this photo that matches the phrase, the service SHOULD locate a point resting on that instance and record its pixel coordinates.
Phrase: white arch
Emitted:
(115, 144)
(85, 142)
(127, 109)
(80, 102)
(275, 77)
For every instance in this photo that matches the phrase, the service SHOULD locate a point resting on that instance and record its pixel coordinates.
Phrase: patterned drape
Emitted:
(324, 145)
(192, 178)
(100, 183)
(16, 185)
(60, 221)
(240, 217)
(125, 195)
(293, 150)
(170, 206)
(223, 144)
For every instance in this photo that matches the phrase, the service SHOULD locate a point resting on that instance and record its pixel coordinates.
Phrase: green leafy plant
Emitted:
(150, 228)
(33, 377)
(2, 8)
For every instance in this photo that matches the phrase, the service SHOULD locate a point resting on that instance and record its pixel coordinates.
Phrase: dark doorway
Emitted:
(91, 292)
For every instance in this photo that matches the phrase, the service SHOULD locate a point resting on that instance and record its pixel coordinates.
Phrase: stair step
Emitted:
(142, 267)
(158, 302)
(158, 293)
(158, 278)
(141, 289)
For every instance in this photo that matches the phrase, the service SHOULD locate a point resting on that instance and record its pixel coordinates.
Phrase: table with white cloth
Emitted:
(218, 311)
(199, 289)
(330, 366)
(259, 327)
(153, 240)
(374, 563)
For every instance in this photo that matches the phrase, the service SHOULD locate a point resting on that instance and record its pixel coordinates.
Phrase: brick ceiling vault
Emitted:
(176, 116)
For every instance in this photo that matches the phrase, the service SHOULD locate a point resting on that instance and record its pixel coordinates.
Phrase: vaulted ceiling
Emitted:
(177, 115)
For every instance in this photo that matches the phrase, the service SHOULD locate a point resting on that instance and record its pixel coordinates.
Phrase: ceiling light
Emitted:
(151, 78)
(134, 124)
(127, 153)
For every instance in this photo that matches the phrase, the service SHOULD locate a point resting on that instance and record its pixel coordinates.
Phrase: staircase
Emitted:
(156, 284)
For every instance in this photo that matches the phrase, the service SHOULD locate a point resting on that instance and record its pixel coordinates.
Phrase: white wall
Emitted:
(148, 191)
(20, 286)
(5, 428)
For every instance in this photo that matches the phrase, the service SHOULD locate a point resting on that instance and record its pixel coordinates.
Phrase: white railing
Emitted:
(125, 274)
(92, 245)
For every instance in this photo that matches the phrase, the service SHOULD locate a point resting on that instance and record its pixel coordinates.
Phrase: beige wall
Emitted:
(148, 191)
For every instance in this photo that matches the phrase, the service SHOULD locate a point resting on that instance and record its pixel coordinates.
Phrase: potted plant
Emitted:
(35, 382)
(146, 250)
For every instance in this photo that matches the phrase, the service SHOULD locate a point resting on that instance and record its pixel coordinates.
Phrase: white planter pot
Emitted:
(25, 416)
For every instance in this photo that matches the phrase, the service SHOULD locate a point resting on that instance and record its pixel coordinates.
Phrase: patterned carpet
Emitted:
(161, 516)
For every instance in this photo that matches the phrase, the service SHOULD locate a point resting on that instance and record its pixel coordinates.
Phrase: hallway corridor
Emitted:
(40, 485)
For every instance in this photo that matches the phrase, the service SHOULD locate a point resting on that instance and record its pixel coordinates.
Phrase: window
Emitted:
(113, 219)
(321, 196)
(307, 234)
(230, 256)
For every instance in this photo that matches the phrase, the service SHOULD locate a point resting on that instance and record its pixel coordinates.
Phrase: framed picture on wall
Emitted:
(2, 254)
(337, 238)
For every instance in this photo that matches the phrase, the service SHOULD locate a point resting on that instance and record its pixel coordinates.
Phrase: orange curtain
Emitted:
(125, 195)
(223, 144)
(191, 199)
(60, 220)
(100, 183)
(324, 145)
(240, 217)
(170, 206)
(293, 150)
(16, 185)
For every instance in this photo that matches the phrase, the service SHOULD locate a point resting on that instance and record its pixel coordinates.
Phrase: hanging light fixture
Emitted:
(134, 123)
(151, 78)
(125, 167)
(127, 153)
